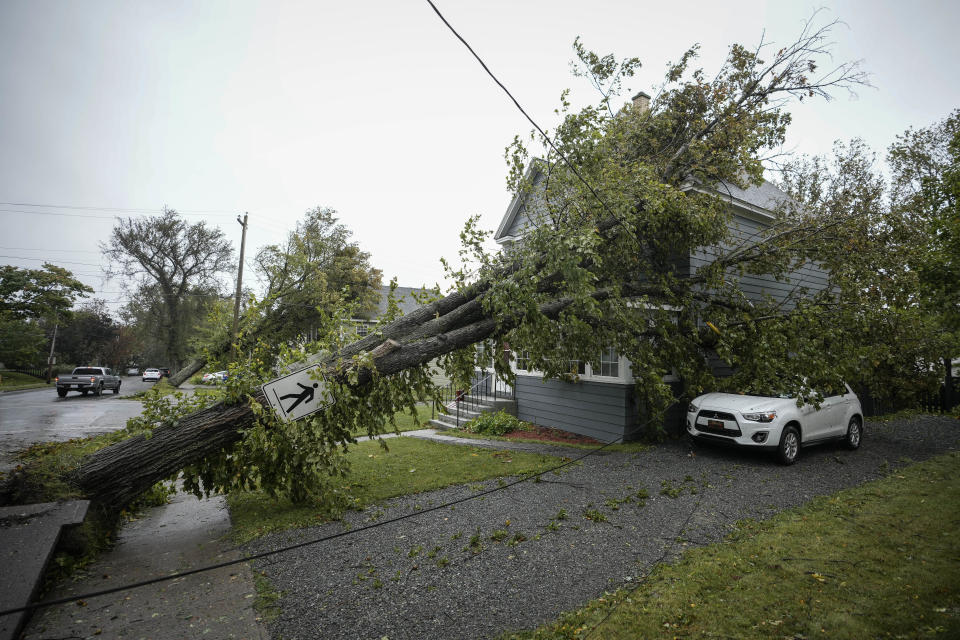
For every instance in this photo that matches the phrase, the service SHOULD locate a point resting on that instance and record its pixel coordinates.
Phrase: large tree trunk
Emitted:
(117, 474)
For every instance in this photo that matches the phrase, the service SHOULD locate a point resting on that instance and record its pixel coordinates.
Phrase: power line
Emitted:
(224, 212)
(86, 264)
(153, 212)
(45, 249)
(53, 213)
(352, 531)
(525, 114)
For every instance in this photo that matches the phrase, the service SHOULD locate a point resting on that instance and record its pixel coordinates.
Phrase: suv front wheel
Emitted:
(854, 433)
(789, 447)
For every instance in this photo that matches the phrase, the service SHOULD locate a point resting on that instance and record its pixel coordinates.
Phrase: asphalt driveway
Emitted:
(421, 578)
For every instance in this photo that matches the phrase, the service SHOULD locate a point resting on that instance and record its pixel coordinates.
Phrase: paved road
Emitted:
(39, 415)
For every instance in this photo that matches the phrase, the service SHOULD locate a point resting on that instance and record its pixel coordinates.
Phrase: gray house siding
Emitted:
(758, 287)
(599, 410)
(607, 411)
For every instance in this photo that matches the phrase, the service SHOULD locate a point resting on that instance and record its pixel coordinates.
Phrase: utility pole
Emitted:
(53, 343)
(236, 302)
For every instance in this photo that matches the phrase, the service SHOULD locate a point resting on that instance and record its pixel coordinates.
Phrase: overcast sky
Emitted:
(371, 108)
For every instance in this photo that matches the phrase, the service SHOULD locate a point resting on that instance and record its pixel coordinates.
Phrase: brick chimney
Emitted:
(641, 102)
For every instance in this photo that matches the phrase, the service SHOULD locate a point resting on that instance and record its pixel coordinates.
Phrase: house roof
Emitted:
(760, 200)
(403, 296)
(767, 196)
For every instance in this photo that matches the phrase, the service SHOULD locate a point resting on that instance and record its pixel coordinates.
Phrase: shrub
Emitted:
(494, 424)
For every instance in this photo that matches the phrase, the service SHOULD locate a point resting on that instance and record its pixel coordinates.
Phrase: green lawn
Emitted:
(407, 422)
(877, 561)
(410, 466)
(13, 381)
(627, 447)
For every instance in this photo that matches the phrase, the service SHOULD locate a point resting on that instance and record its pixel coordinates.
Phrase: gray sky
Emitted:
(373, 109)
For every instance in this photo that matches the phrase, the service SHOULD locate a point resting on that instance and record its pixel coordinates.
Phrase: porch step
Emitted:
(478, 404)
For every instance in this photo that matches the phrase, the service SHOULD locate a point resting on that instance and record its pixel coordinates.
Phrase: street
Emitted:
(38, 415)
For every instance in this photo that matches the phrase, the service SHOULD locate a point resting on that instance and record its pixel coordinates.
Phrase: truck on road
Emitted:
(88, 379)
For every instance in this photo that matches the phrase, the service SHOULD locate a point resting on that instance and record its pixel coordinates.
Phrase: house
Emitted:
(405, 297)
(602, 403)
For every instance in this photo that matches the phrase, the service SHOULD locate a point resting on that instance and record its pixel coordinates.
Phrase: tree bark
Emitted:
(115, 475)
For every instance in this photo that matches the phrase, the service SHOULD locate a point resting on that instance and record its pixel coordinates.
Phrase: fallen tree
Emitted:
(594, 273)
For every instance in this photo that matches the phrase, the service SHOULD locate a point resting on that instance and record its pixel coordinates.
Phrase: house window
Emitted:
(577, 367)
(610, 364)
(484, 357)
(363, 329)
(523, 361)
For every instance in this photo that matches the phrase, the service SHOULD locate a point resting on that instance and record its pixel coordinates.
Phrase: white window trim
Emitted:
(623, 366)
(625, 377)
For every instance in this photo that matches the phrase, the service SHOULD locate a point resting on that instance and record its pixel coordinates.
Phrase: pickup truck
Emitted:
(87, 379)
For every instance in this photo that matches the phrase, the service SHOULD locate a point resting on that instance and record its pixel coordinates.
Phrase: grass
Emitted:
(12, 381)
(267, 602)
(405, 421)
(628, 447)
(410, 466)
(878, 561)
(39, 477)
(164, 388)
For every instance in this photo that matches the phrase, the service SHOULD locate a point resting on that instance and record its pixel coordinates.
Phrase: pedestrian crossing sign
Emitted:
(298, 394)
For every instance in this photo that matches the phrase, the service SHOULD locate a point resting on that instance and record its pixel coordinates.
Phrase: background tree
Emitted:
(147, 315)
(925, 166)
(29, 300)
(170, 259)
(890, 341)
(317, 270)
(85, 338)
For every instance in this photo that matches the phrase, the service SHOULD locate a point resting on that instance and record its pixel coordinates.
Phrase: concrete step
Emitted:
(28, 536)
(485, 404)
(479, 405)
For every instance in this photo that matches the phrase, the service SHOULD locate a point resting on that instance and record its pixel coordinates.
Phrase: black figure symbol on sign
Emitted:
(304, 396)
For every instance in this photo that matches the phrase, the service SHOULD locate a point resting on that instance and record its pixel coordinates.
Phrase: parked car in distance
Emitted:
(133, 371)
(775, 423)
(165, 372)
(86, 380)
(215, 377)
(152, 374)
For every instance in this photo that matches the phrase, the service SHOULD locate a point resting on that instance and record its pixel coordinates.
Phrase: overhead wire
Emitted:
(223, 212)
(543, 134)
(86, 264)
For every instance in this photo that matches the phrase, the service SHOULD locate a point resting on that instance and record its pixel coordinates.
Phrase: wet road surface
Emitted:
(39, 415)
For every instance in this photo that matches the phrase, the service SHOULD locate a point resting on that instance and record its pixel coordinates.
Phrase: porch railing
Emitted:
(457, 400)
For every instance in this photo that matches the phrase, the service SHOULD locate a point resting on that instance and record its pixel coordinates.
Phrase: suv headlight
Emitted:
(760, 416)
(692, 408)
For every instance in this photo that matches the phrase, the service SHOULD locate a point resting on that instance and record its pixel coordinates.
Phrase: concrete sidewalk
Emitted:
(185, 534)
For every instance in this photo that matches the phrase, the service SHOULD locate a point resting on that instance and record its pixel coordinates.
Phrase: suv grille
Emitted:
(718, 415)
(729, 418)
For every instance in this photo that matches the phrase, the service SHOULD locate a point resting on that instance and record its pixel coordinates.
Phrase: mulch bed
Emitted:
(546, 434)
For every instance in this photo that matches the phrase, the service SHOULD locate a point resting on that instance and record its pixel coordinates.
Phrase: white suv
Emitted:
(775, 423)
(152, 374)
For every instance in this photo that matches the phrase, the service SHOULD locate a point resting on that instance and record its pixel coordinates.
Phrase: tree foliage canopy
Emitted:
(926, 196)
(37, 293)
(28, 299)
(317, 270)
